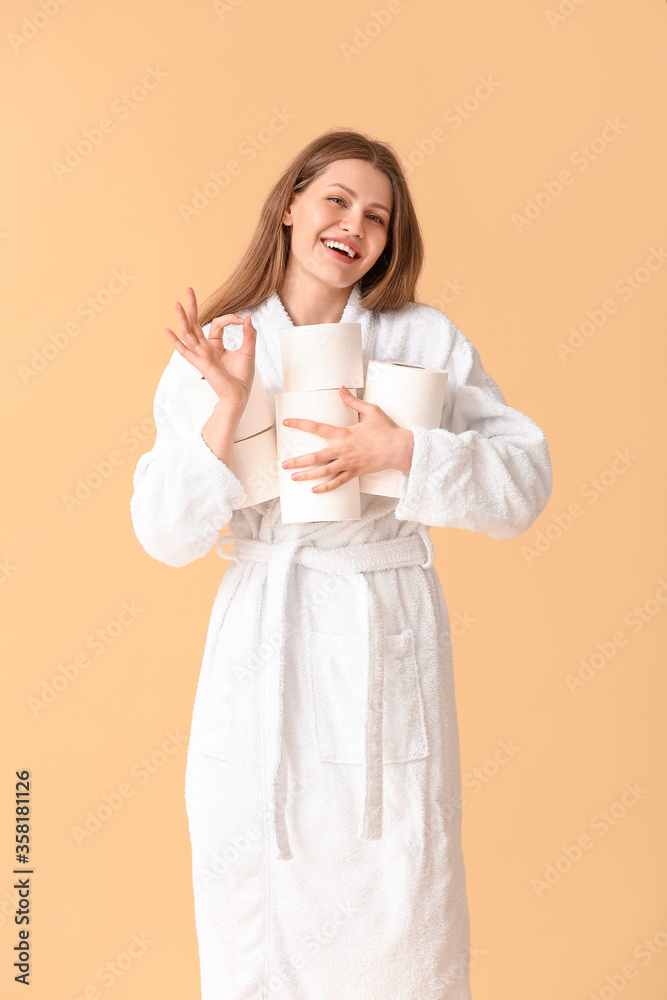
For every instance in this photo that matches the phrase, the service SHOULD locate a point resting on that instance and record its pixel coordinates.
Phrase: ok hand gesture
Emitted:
(229, 373)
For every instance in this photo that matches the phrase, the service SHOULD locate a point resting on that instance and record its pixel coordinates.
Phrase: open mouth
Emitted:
(337, 249)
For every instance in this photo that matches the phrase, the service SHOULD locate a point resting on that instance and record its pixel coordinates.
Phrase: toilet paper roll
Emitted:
(321, 356)
(254, 463)
(200, 398)
(413, 396)
(386, 483)
(297, 501)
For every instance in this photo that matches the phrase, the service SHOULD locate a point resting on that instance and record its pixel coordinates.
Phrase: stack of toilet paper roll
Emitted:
(413, 396)
(253, 459)
(316, 360)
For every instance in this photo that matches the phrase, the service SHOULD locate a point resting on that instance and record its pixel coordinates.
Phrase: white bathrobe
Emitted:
(323, 787)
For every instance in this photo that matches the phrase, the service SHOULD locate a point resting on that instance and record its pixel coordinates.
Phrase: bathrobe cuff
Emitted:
(414, 484)
(183, 493)
(225, 482)
(486, 468)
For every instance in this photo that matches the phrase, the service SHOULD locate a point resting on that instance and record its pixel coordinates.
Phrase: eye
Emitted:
(334, 197)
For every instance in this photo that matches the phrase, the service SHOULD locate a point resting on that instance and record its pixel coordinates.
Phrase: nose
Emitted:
(351, 230)
(353, 222)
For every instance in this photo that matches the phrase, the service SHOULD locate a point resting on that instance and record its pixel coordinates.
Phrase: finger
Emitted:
(183, 322)
(247, 345)
(349, 398)
(249, 337)
(218, 325)
(191, 311)
(325, 455)
(332, 484)
(314, 426)
(329, 470)
(176, 341)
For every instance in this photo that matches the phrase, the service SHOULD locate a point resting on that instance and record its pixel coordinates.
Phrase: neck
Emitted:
(308, 301)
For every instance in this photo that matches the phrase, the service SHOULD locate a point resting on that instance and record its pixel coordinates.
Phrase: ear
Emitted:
(287, 214)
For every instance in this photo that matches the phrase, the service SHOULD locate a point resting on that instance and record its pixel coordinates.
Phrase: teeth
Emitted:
(341, 246)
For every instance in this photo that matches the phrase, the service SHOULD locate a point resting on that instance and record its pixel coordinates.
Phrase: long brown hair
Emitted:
(388, 285)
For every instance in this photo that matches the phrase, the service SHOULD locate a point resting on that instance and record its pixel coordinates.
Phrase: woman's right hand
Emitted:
(229, 373)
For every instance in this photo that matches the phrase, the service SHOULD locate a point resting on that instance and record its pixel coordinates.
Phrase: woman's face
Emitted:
(349, 202)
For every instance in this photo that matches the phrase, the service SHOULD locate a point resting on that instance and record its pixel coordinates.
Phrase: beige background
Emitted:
(523, 619)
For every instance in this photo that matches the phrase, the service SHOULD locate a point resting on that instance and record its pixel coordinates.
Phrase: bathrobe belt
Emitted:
(348, 559)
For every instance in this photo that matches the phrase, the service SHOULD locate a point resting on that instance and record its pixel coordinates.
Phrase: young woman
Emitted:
(323, 786)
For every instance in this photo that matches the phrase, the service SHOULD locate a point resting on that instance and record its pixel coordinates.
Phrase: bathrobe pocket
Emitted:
(338, 683)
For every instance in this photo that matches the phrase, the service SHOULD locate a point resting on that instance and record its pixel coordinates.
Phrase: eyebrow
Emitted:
(373, 204)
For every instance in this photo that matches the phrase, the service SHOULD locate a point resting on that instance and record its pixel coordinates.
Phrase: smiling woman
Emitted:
(323, 785)
(343, 216)
(358, 179)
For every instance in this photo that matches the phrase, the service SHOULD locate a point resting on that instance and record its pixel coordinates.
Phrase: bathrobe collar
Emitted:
(273, 317)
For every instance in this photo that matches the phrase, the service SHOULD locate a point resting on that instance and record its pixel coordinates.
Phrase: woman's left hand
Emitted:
(371, 445)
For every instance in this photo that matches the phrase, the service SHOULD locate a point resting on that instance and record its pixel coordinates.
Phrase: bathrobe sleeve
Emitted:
(183, 493)
(486, 468)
